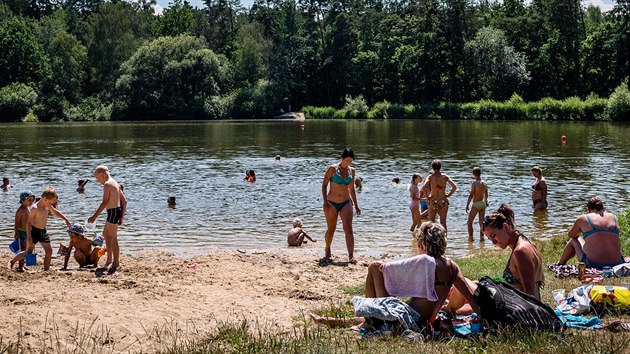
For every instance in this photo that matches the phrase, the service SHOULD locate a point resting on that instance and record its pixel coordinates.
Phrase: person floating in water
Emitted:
(358, 183)
(479, 197)
(435, 189)
(396, 180)
(82, 183)
(297, 234)
(250, 176)
(6, 184)
(339, 201)
(171, 201)
(277, 158)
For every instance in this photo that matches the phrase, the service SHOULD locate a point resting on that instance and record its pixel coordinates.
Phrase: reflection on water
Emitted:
(202, 164)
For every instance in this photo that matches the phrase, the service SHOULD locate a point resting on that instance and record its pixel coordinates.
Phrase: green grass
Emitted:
(245, 336)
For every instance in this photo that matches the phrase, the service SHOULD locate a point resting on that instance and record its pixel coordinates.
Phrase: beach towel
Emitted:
(413, 277)
(621, 270)
(577, 302)
(567, 270)
(387, 309)
(580, 322)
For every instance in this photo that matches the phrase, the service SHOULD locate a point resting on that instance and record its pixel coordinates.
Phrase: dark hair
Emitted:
(436, 164)
(595, 204)
(476, 171)
(347, 152)
(415, 175)
(503, 215)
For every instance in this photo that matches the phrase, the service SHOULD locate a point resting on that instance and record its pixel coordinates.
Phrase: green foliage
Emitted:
(89, 109)
(496, 68)
(618, 108)
(177, 19)
(624, 234)
(16, 100)
(252, 102)
(251, 56)
(22, 58)
(170, 77)
(356, 104)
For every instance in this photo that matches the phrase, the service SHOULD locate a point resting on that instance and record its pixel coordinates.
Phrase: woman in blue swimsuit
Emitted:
(339, 200)
(594, 238)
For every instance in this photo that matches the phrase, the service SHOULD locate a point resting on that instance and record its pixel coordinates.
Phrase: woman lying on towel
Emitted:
(427, 278)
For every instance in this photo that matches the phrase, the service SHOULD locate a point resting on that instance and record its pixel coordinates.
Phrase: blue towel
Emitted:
(580, 322)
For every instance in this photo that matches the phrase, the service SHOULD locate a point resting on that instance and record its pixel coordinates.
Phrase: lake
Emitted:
(202, 164)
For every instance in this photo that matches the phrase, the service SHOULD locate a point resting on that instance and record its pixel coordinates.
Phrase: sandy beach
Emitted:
(154, 288)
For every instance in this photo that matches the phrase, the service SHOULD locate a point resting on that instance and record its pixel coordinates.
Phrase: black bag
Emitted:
(502, 305)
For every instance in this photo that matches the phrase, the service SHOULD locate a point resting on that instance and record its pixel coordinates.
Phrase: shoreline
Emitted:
(153, 288)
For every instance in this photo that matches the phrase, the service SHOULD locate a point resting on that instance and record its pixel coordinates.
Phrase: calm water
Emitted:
(203, 163)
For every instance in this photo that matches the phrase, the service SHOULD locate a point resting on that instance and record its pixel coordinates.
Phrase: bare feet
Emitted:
(10, 265)
(352, 260)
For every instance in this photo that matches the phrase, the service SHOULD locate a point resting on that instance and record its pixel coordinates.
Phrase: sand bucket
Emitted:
(30, 259)
(15, 246)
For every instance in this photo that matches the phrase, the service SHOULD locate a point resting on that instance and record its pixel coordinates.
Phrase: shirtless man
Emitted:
(84, 254)
(435, 189)
(6, 184)
(37, 222)
(479, 197)
(115, 202)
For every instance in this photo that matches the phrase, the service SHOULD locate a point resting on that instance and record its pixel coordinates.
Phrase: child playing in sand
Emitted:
(84, 254)
(115, 202)
(297, 234)
(37, 221)
(479, 196)
(27, 198)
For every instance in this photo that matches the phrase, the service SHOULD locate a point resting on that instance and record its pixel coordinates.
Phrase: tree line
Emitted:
(101, 60)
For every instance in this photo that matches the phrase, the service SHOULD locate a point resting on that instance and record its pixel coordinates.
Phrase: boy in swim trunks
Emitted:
(115, 202)
(479, 196)
(37, 222)
(84, 254)
(27, 198)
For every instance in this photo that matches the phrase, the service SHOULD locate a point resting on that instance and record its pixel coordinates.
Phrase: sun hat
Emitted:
(77, 229)
(25, 195)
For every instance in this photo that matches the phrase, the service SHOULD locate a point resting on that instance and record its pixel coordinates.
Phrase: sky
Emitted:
(605, 5)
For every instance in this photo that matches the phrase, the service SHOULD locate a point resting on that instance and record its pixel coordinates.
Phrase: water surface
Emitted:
(203, 163)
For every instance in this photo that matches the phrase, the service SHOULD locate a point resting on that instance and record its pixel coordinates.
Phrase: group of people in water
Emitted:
(594, 237)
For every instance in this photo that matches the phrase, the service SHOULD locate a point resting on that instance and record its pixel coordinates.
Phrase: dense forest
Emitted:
(101, 60)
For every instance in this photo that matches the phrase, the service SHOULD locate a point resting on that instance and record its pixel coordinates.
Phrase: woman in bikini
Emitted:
(435, 189)
(594, 238)
(416, 198)
(539, 190)
(431, 239)
(339, 201)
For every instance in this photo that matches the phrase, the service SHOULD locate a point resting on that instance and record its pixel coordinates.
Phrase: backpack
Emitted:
(502, 305)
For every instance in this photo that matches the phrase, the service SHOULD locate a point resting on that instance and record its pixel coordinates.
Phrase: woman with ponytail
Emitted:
(524, 267)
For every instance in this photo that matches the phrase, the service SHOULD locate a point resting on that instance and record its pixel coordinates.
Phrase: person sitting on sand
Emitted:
(479, 197)
(6, 184)
(594, 238)
(297, 234)
(431, 240)
(84, 254)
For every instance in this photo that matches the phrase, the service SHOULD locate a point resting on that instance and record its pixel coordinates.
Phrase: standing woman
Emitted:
(435, 189)
(339, 200)
(416, 197)
(539, 190)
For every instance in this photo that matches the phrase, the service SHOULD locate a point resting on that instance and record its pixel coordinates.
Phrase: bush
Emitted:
(311, 112)
(16, 100)
(357, 104)
(618, 108)
(624, 227)
(89, 109)
(253, 102)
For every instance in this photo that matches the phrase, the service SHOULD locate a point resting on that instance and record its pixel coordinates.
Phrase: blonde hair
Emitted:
(297, 222)
(50, 193)
(432, 237)
(101, 169)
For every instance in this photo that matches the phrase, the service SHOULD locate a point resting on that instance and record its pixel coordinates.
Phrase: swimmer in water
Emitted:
(539, 190)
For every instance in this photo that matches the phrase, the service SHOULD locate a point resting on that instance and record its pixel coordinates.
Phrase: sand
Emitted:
(155, 289)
